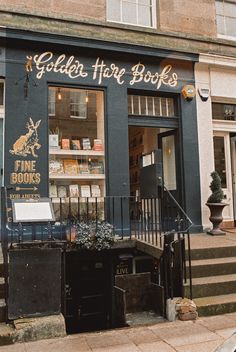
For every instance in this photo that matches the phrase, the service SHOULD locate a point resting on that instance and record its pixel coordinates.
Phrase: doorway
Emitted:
(145, 140)
(88, 293)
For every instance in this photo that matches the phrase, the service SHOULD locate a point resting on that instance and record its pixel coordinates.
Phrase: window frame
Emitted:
(153, 14)
(154, 101)
(225, 35)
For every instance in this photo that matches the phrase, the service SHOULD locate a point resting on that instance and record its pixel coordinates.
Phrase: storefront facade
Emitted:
(215, 75)
(79, 116)
(85, 89)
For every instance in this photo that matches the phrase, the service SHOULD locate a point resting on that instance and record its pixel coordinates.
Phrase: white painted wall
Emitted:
(214, 73)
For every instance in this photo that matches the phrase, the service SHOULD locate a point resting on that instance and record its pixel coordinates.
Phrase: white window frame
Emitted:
(228, 212)
(75, 104)
(152, 12)
(225, 35)
(163, 101)
(2, 107)
(52, 102)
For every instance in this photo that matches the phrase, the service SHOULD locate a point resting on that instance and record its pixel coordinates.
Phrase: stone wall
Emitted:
(73, 9)
(195, 17)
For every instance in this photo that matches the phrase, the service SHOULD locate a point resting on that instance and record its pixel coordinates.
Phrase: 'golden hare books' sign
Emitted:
(100, 70)
(24, 175)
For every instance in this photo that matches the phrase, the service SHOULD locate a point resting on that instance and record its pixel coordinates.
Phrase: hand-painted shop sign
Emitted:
(25, 176)
(100, 70)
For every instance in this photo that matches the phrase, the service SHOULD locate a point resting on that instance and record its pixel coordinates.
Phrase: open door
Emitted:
(168, 143)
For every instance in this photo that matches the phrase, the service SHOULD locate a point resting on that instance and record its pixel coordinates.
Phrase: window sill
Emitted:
(133, 25)
(226, 37)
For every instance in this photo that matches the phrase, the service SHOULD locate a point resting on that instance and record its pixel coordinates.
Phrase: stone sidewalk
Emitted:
(205, 334)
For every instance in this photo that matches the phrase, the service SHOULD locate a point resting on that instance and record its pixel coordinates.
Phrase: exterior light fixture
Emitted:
(86, 98)
(188, 92)
(59, 95)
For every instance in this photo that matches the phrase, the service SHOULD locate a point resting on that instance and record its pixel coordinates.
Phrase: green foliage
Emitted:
(95, 235)
(215, 186)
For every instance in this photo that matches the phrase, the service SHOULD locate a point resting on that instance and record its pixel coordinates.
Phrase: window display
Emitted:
(76, 142)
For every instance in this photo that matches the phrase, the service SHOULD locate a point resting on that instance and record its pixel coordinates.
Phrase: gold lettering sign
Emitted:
(100, 70)
(25, 171)
(27, 143)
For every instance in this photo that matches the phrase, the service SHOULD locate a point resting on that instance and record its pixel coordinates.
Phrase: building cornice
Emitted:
(125, 36)
(217, 60)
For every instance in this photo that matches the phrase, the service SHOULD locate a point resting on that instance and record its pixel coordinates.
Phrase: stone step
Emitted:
(2, 310)
(216, 252)
(215, 266)
(6, 334)
(212, 285)
(215, 305)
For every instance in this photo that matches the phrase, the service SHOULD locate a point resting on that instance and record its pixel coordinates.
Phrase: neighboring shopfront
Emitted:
(79, 117)
(216, 107)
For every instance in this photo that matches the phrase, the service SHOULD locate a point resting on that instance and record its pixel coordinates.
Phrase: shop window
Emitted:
(1, 99)
(223, 112)
(226, 17)
(151, 106)
(134, 12)
(52, 102)
(76, 143)
(219, 157)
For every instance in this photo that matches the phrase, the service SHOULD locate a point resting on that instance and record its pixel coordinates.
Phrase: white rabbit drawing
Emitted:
(26, 144)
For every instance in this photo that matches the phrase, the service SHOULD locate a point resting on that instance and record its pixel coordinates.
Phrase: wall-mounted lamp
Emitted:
(59, 95)
(188, 92)
(86, 98)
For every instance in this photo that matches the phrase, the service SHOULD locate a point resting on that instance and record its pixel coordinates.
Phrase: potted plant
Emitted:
(215, 204)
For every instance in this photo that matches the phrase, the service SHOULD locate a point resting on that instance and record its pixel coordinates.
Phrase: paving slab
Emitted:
(208, 346)
(118, 348)
(107, 339)
(218, 322)
(141, 335)
(66, 344)
(19, 347)
(226, 333)
(186, 334)
(155, 347)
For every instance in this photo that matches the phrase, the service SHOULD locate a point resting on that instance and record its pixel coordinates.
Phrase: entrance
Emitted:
(88, 293)
(144, 140)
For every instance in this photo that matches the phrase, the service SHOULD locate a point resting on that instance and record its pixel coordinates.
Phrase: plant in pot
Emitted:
(215, 204)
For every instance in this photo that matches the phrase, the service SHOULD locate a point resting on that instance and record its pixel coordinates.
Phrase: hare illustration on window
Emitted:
(27, 143)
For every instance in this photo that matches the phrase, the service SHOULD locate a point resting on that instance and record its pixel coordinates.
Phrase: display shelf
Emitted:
(77, 177)
(69, 152)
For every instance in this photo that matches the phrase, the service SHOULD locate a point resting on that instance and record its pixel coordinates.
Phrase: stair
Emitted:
(213, 280)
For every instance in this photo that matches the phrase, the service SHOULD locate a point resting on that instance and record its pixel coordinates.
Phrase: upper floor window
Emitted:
(223, 111)
(151, 106)
(226, 17)
(135, 12)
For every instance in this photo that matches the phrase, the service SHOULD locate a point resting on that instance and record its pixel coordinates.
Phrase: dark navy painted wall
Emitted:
(19, 109)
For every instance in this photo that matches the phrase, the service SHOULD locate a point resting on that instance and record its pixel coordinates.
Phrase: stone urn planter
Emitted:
(215, 204)
(216, 218)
